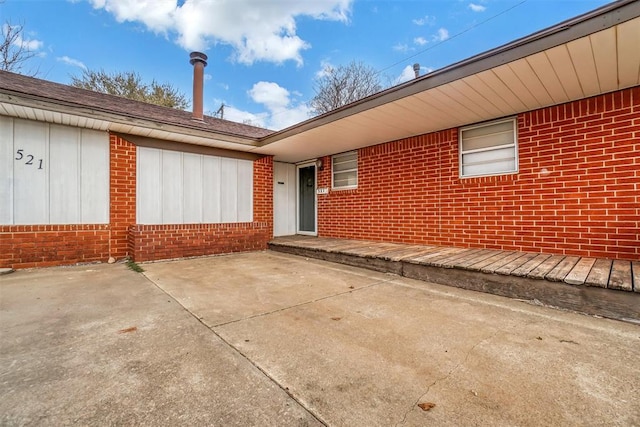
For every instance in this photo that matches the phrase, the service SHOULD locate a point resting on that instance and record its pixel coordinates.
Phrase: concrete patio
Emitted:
(266, 338)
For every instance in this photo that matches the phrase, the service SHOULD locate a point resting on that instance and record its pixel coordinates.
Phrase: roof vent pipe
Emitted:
(416, 69)
(199, 61)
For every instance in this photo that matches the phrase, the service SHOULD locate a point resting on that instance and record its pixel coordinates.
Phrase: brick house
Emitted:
(533, 146)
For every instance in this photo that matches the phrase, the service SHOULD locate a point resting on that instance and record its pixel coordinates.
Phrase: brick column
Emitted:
(263, 191)
(122, 194)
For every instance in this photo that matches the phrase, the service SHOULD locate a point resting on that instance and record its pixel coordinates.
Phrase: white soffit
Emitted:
(600, 62)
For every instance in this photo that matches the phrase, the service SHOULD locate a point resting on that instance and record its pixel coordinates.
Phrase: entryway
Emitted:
(307, 199)
(294, 199)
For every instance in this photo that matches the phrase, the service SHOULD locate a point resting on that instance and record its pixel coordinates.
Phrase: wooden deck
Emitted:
(609, 288)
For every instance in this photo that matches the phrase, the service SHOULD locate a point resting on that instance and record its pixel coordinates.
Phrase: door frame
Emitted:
(315, 196)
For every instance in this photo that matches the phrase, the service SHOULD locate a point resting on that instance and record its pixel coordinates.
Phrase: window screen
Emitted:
(345, 170)
(488, 149)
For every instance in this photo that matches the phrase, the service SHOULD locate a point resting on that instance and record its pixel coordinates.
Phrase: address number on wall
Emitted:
(29, 159)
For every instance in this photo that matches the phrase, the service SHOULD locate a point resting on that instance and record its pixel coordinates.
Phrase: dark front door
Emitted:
(307, 199)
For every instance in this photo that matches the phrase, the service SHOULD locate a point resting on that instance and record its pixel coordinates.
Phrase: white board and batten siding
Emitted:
(52, 174)
(284, 199)
(185, 188)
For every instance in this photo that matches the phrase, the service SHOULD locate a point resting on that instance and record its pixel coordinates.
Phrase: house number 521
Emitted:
(28, 159)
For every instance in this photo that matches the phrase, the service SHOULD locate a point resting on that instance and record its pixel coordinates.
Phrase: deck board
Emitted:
(561, 270)
(478, 266)
(509, 257)
(543, 269)
(528, 266)
(372, 250)
(402, 253)
(621, 276)
(578, 275)
(480, 256)
(509, 267)
(599, 274)
(449, 262)
(437, 253)
(435, 260)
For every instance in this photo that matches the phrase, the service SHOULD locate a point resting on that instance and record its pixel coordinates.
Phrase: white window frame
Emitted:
(514, 145)
(333, 172)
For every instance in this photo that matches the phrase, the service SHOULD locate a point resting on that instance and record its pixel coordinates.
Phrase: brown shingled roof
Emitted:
(59, 93)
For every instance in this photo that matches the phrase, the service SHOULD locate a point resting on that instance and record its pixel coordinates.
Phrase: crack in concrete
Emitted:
(246, 357)
(266, 313)
(445, 377)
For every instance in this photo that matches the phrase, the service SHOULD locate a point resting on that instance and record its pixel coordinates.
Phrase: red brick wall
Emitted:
(27, 246)
(577, 190)
(155, 242)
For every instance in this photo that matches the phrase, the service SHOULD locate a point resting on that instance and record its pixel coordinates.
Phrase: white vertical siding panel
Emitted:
(229, 190)
(192, 188)
(64, 173)
(171, 187)
(94, 177)
(7, 154)
(31, 198)
(245, 191)
(148, 192)
(211, 190)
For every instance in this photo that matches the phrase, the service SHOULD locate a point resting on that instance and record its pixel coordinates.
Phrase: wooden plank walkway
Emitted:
(477, 267)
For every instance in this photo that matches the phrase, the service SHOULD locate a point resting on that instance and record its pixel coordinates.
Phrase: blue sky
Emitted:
(264, 55)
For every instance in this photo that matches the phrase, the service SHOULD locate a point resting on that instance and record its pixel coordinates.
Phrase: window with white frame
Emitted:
(489, 149)
(345, 170)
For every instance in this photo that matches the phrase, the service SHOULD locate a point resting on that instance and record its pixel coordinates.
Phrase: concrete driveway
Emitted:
(272, 339)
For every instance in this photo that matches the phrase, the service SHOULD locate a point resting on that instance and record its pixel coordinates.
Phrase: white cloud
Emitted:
(400, 47)
(31, 45)
(257, 30)
(272, 95)
(420, 41)
(427, 20)
(239, 116)
(409, 74)
(281, 111)
(325, 68)
(406, 75)
(72, 62)
(442, 35)
(477, 7)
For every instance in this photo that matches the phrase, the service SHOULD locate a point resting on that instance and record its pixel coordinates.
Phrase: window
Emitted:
(345, 170)
(488, 149)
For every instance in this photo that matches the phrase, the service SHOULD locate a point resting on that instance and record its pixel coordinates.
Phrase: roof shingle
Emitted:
(69, 95)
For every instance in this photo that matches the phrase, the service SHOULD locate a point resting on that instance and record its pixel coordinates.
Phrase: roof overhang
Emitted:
(589, 55)
(35, 108)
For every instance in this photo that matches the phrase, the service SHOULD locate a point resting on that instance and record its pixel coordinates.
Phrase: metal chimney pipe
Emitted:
(416, 69)
(199, 61)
